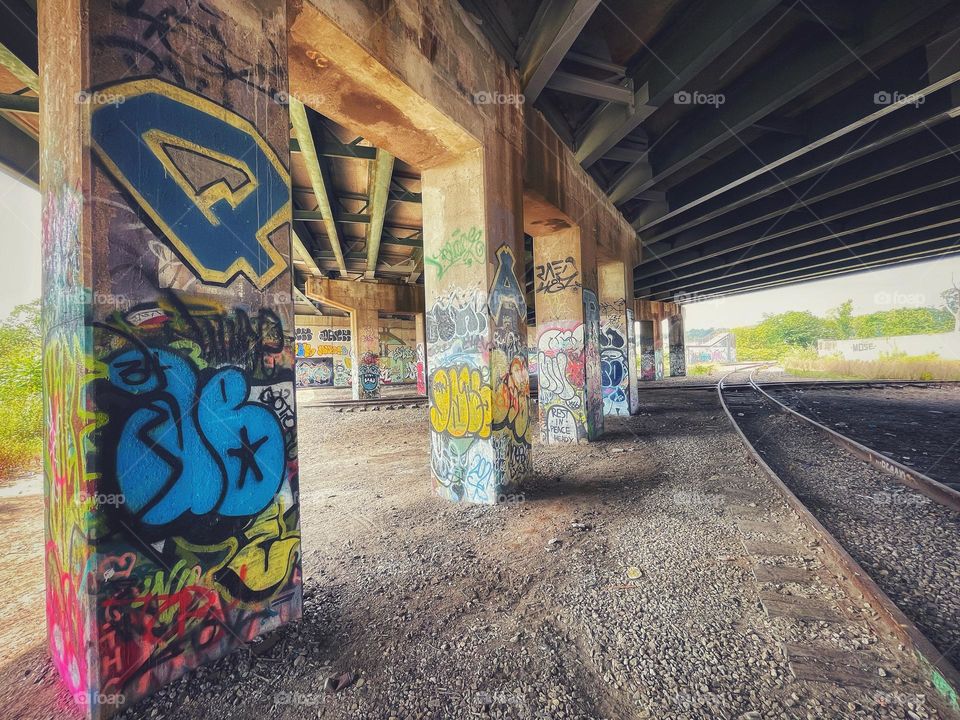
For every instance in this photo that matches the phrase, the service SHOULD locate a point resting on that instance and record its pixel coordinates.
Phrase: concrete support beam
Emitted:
(617, 340)
(421, 329)
(381, 171)
(365, 338)
(678, 348)
(647, 349)
(187, 431)
(476, 325)
(657, 321)
(568, 338)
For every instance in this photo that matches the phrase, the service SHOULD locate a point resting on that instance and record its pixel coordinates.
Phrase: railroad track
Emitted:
(384, 403)
(894, 541)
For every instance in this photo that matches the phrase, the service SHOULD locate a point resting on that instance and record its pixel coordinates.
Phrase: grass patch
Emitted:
(893, 367)
(701, 369)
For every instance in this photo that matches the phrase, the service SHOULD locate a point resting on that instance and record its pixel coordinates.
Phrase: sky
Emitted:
(903, 286)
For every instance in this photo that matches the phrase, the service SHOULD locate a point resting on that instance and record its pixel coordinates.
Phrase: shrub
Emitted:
(21, 390)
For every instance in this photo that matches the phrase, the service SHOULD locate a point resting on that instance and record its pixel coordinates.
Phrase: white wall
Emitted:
(946, 345)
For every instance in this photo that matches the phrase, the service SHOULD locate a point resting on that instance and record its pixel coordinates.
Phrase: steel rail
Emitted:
(943, 675)
(933, 489)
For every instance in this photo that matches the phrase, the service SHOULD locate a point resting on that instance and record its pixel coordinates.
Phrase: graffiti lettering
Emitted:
(189, 164)
(461, 404)
(557, 275)
(463, 248)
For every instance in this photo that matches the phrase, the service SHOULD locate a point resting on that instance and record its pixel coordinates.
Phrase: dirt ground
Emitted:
(616, 586)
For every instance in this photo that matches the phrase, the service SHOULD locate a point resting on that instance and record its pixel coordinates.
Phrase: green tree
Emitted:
(21, 388)
(951, 301)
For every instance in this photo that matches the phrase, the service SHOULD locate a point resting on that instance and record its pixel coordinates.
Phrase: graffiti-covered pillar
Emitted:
(678, 352)
(647, 350)
(365, 334)
(568, 338)
(476, 324)
(421, 330)
(617, 362)
(172, 525)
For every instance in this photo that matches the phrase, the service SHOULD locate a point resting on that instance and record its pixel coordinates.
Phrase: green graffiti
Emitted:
(463, 248)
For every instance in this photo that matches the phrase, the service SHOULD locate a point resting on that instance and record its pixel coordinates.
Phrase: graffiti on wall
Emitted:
(204, 175)
(478, 387)
(614, 363)
(177, 401)
(316, 372)
(557, 275)
(634, 392)
(368, 375)
(464, 248)
(648, 356)
(678, 356)
(562, 364)
(508, 364)
(592, 368)
(421, 370)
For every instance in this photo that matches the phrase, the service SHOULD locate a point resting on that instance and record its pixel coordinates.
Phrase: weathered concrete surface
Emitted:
(617, 340)
(172, 522)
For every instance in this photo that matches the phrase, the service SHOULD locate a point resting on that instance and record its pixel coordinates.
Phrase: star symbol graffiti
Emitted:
(247, 455)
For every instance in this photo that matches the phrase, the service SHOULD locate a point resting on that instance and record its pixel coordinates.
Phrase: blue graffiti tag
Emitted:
(190, 446)
(208, 180)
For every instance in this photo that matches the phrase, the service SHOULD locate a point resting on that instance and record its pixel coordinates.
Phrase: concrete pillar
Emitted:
(678, 353)
(478, 384)
(365, 337)
(172, 525)
(648, 350)
(568, 327)
(618, 366)
(421, 330)
(658, 333)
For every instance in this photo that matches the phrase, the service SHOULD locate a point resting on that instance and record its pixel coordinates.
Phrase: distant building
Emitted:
(718, 348)
(945, 345)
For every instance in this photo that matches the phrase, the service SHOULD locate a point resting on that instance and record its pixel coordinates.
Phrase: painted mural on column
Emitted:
(614, 361)
(648, 357)
(633, 394)
(568, 355)
(173, 530)
(324, 359)
(678, 355)
(594, 379)
(478, 384)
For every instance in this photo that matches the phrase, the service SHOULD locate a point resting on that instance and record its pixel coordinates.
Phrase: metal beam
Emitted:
(301, 128)
(876, 210)
(19, 154)
(552, 33)
(916, 162)
(379, 187)
(772, 163)
(947, 245)
(766, 92)
(694, 42)
(903, 234)
(588, 87)
(305, 258)
(813, 277)
(334, 149)
(18, 43)
(19, 103)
